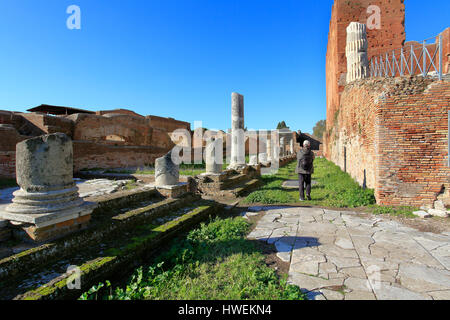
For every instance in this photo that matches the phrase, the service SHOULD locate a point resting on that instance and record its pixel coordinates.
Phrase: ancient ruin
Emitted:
(103, 139)
(110, 195)
(166, 171)
(48, 197)
(377, 129)
(212, 161)
(237, 131)
(356, 52)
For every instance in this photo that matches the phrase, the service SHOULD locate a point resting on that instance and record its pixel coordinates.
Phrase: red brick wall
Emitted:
(168, 124)
(113, 140)
(390, 36)
(47, 124)
(88, 155)
(351, 135)
(7, 164)
(396, 130)
(9, 137)
(133, 130)
(118, 111)
(412, 133)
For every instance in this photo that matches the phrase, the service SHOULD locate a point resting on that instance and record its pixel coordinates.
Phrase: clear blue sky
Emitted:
(180, 58)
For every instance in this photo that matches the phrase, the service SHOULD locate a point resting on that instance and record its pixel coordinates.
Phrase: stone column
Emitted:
(356, 52)
(262, 158)
(269, 149)
(237, 131)
(291, 142)
(282, 146)
(253, 160)
(48, 195)
(166, 171)
(213, 165)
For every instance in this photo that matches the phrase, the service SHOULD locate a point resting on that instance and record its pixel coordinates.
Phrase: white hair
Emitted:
(306, 143)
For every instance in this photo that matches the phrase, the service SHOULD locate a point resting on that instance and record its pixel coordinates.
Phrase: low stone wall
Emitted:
(103, 224)
(284, 161)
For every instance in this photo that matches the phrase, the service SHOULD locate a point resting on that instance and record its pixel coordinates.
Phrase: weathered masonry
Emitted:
(389, 130)
(105, 139)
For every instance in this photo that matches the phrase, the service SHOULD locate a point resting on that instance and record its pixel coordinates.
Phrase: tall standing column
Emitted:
(291, 142)
(356, 52)
(269, 148)
(237, 131)
(282, 146)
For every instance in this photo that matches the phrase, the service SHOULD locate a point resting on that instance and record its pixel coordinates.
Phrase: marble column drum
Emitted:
(48, 194)
(213, 165)
(356, 52)
(166, 171)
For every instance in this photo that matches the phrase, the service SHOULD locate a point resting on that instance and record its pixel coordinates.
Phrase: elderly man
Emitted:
(305, 168)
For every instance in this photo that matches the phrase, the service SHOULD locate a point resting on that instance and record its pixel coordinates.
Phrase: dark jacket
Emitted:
(305, 153)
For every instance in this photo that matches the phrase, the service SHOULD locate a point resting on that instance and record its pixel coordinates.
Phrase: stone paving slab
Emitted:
(87, 188)
(293, 184)
(337, 255)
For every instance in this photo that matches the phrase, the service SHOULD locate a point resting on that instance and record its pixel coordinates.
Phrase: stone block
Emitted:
(422, 214)
(173, 191)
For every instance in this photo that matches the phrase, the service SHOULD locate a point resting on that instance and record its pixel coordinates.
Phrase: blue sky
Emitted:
(180, 58)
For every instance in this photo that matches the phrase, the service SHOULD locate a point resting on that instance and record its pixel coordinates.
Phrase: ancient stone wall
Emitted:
(89, 155)
(393, 133)
(351, 134)
(38, 124)
(108, 139)
(9, 137)
(167, 124)
(391, 35)
(412, 133)
(113, 128)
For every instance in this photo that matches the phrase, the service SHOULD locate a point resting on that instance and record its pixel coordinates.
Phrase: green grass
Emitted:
(185, 169)
(8, 183)
(214, 262)
(404, 211)
(272, 192)
(335, 188)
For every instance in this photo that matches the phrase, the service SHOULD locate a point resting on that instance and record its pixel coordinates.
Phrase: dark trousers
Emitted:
(304, 181)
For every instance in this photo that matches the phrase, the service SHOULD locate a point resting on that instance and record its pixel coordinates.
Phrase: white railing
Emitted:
(413, 59)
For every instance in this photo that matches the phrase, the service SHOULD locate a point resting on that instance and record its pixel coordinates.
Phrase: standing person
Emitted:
(305, 168)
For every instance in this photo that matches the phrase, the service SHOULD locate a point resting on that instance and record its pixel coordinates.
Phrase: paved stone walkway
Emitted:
(339, 255)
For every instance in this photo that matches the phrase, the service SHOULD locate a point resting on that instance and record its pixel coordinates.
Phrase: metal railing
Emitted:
(412, 59)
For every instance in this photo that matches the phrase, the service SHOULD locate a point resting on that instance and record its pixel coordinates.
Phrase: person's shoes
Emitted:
(308, 197)
(302, 199)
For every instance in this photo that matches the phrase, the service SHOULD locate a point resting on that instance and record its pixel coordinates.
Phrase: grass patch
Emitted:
(8, 183)
(214, 262)
(272, 192)
(335, 188)
(395, 211)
